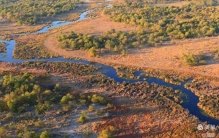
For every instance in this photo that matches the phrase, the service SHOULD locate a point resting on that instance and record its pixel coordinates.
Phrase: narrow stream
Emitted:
(109, 71)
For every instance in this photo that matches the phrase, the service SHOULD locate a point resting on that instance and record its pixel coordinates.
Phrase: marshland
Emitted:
(118, 68)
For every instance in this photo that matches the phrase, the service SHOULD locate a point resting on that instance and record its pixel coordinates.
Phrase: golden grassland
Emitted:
(168, 56)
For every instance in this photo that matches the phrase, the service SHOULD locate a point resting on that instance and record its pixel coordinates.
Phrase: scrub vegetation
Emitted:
(2, 47)
(31, 47)
(197, 19)
(31, 95)
(51, 99)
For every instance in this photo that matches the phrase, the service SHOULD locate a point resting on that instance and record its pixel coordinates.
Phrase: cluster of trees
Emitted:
(111, 40)
(171, 22)
(20, 95)
(194, 60)
(29, 11)
(20, 92)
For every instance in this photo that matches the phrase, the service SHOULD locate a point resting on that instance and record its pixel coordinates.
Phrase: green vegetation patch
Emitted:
(20, 92)
(194, 60)
(168, 22)
(30, 11)
(27, 102)
(2, 47)
(112, 40)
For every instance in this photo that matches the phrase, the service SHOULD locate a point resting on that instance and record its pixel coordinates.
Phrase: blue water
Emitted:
(109, 71)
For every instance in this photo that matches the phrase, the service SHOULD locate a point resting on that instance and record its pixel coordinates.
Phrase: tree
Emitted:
(65, 99)
(92, 52)
(82, 118)
(45, 134)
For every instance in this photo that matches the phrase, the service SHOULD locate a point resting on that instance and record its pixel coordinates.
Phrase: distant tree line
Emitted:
(30, 11)
(171, 22)
(199, 2)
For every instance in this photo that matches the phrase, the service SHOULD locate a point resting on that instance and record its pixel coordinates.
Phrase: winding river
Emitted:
(108, 71)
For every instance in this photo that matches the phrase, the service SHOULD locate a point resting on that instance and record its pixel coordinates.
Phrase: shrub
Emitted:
(67, 108)
(41, 108)
(91, 108)
(39, 123)
(92, 52)
(27, 134)
(105, 134)
(65, 99)
(82, 119)
(109, 105)
(45, 134)
(194, 60)
(83, 101)
(98, 99)
(202, 62)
